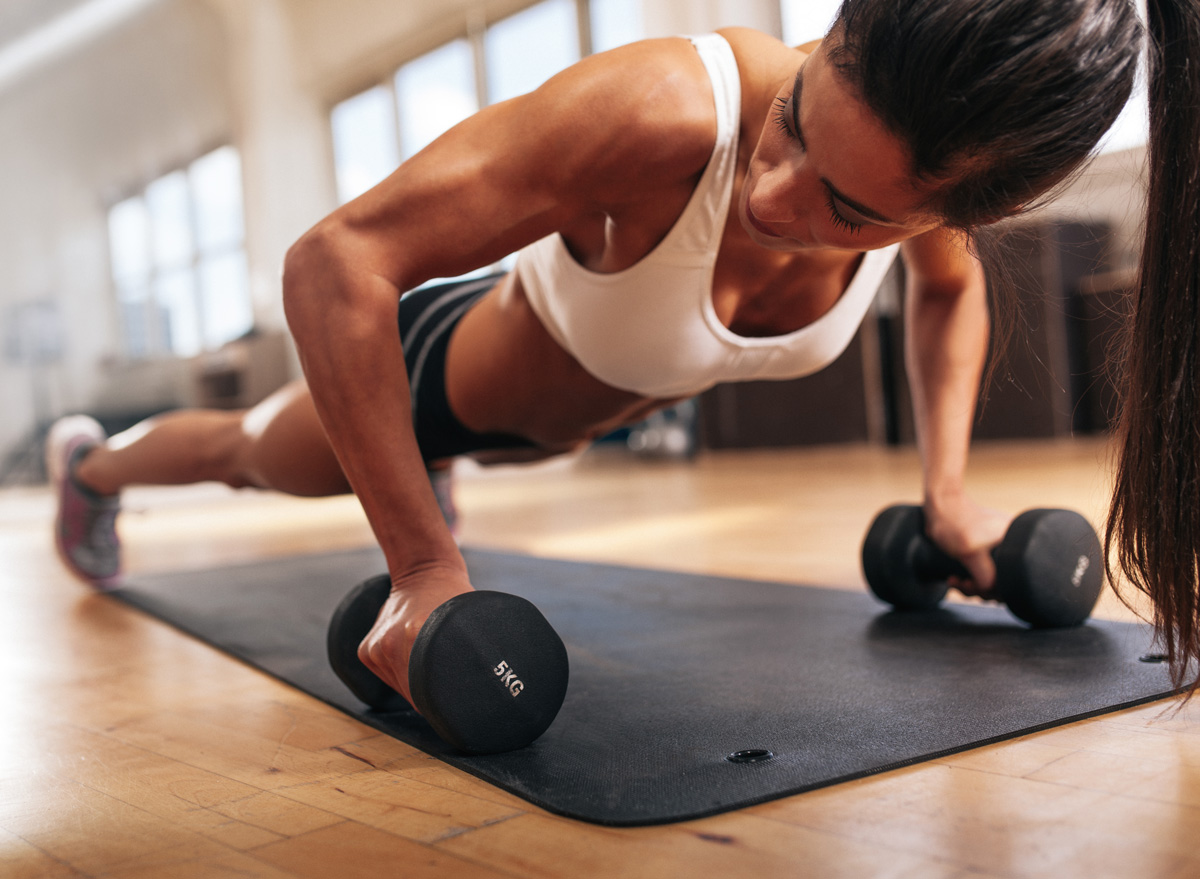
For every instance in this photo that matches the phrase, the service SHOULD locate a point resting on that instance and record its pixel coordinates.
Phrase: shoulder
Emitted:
(940, 258)
(621, 119)
(751, 44)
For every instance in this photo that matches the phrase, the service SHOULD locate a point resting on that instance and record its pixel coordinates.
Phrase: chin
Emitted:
(774, 242)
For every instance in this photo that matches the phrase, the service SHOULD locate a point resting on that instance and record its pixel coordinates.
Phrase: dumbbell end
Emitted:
(488, 672)
(891, 560)
(1055, 565)
(351, 621)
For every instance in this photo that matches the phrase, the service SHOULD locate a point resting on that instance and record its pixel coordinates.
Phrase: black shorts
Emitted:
(427, 316)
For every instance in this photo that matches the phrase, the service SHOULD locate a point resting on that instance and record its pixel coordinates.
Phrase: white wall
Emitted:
(190, 74)
(78, 136)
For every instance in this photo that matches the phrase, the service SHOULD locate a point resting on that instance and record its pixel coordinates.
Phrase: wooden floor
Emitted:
(129, 750)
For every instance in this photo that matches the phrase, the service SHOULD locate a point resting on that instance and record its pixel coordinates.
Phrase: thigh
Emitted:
(287, 448)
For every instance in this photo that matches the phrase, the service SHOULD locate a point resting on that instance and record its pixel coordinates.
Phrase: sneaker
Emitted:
(85, 524)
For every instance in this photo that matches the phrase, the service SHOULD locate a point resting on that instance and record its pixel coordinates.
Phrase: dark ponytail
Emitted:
(1154, 530)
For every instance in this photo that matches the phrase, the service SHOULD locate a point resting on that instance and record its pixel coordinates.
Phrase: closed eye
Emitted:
(781, 119)
(840, 222)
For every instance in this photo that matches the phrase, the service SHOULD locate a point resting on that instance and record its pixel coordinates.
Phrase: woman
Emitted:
(687, 212)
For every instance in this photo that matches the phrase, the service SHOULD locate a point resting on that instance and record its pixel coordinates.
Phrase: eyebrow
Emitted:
(857, 206)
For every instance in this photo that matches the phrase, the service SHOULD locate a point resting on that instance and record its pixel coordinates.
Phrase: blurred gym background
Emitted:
(160, 156)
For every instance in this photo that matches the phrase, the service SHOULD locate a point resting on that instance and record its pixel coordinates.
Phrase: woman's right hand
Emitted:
(414, 596)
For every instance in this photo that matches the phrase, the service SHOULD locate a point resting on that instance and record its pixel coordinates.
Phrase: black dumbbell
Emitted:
(487, 671)
(1049, 567)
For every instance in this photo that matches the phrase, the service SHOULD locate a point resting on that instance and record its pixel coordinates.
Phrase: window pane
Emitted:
(1132, 128)
(133, 291)
(526, 49)
(364, 142)
(615, 23)
(135, 331)
(225, 298)
(129, 240)
(805, 20)
(435, 92)
(170, 220)
(175, 293)
(217, 190)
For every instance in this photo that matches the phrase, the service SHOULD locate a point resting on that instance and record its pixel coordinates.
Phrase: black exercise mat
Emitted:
(671, 673)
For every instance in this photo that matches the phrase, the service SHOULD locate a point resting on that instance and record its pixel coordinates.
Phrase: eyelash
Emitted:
(839, 222)
(781, 116)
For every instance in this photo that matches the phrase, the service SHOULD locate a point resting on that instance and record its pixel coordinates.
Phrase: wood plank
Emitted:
(355, 851)
(401, 806)
(20, 860)
(727, 845)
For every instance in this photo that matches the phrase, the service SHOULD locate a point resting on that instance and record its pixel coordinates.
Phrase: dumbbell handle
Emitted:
(931, 562)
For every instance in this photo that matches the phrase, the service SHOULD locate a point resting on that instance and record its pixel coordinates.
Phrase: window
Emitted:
(434, 93)
(513, 67)
(376, 129)
(805, 20)
(179, 262)
(364, 141)
(1132, 128)
(614, 23)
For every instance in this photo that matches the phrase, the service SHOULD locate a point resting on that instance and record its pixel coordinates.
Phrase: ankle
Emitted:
(88, 475)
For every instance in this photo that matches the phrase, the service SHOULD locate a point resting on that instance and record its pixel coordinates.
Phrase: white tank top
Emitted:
(652, 328)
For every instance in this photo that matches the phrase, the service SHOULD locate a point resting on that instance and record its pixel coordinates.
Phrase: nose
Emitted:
(780, 193)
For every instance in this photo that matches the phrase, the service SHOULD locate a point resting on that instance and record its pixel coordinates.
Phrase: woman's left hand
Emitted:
(968, 532)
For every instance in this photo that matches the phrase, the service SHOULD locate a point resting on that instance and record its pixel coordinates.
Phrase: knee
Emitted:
(227, 451)
(283, 447)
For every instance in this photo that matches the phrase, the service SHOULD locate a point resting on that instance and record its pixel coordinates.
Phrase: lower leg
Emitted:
(278, 444)
(177, 448)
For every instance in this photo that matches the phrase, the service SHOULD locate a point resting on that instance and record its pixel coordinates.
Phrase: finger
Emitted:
(965, 585)
(983, 572)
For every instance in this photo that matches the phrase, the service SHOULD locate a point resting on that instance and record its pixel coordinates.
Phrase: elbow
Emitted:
(309, 259)
(321, 284)
(331, 288)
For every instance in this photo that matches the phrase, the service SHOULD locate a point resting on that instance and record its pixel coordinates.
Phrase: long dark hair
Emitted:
(1001, 101)
(1154, 530)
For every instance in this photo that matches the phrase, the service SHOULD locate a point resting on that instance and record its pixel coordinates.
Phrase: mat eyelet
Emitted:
(750, 755)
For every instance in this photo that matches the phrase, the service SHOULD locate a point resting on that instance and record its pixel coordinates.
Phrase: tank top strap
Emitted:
(702, 223)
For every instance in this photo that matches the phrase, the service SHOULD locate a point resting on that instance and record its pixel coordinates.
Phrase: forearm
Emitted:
(343, 319)
(947, 342)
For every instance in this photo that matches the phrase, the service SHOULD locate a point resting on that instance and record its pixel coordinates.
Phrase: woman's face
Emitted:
(826, 173)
